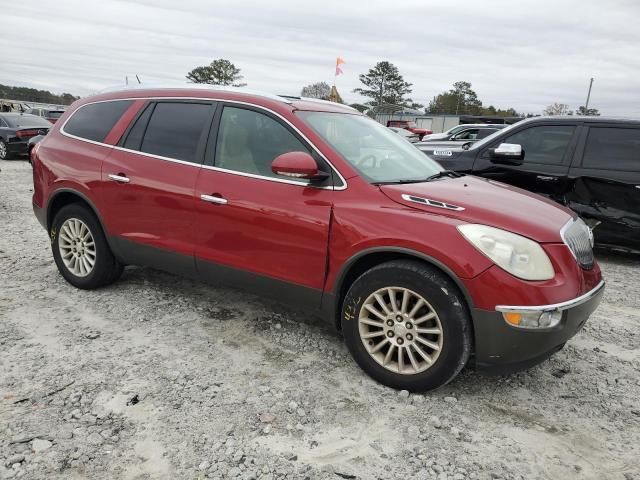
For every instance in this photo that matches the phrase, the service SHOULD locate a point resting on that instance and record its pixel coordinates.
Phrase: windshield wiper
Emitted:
(444, 173)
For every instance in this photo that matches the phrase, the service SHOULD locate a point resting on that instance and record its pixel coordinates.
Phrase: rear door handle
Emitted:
(119, 178)
(213, 199)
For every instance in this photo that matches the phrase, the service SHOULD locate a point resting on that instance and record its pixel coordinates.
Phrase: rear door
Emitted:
(606, 182)
(148, 183)
(256, 230)
(548, 149)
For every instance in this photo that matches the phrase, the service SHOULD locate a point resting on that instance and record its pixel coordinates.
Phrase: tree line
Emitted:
(382, 85)
(34, 95)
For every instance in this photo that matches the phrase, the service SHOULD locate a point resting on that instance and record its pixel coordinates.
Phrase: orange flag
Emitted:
(339, 61)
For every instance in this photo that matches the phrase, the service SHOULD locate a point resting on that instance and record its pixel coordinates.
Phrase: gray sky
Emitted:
(524, 54)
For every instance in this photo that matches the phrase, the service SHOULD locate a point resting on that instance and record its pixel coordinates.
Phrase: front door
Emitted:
(548, 149)
(256, 230)
(148, 184)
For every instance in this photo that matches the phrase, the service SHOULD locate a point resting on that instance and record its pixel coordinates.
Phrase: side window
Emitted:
(545, 144)
(471, 134)
(96, 120)
(134, 138)
(485, 132)
(613, 149)
(248, 141)
(3, 123)
(175, 129)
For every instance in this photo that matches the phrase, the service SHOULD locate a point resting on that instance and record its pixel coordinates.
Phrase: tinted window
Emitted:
(613, 148)
(174, 130)
(249, 141)
(134, 139)
(96, 120)
(470, 134)
(485, 132)
(546, 144)
(55, 113)
(3, 123)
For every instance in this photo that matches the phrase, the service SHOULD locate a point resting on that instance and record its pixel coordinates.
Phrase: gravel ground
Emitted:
(161, 377)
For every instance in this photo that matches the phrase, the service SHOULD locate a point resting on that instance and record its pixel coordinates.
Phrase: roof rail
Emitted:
(317, 100)
(191, 86)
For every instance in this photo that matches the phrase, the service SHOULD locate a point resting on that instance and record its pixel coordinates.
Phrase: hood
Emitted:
(489, 203)
(435, 136)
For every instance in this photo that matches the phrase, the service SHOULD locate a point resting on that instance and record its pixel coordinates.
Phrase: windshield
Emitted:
(377, 153)
(27, 120)
(454, 130)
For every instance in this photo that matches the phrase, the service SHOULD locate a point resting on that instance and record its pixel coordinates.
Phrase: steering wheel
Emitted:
(366, 158)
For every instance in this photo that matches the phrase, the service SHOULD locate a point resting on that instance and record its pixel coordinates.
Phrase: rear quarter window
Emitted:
(613, 149)
(95, 121)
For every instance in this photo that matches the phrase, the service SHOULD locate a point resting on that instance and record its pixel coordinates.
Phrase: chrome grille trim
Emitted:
(431, 203)
(578, 237)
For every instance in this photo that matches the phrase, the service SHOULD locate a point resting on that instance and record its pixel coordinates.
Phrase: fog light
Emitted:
(533, 319)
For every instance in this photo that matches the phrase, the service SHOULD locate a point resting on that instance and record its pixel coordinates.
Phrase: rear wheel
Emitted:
(406, 324)
(80, 249)
(4, 150)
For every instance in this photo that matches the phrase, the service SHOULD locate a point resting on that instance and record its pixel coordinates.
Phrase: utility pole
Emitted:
(586, 105)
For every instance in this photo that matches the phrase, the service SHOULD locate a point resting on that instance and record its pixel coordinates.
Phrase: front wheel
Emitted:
(80, 249)
(406, 325)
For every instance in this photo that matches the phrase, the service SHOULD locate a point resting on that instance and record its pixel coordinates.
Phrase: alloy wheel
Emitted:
(400, 330)
(3, 150)
(77, 247)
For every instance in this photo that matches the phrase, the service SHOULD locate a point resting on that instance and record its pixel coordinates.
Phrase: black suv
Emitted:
(590, 164)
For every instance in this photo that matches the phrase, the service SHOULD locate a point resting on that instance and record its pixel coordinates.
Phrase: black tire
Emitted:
(106, 269)
(4, 147)
(443, 296)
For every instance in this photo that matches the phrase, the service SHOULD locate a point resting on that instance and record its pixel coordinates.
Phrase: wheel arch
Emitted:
(67, 196)
(368, 258)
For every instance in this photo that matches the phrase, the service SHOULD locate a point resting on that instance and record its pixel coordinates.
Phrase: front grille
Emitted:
(578, 237)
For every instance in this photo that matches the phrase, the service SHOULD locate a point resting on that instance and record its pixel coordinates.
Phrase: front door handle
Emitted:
(213, 199)
(119, 178)
(637, 186)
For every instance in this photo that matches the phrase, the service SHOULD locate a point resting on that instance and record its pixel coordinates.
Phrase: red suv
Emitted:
(312, 203)
(410, 126)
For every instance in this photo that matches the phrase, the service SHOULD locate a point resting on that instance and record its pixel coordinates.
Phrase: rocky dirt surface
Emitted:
(160, 377)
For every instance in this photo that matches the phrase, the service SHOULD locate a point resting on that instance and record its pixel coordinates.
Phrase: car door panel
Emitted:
(264, 228)
(148, 199)
(604, 191)
(546, 161)
(256, 230)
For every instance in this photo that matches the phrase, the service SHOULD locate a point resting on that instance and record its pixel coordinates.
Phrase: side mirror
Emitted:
(507, 154)
(298, 165)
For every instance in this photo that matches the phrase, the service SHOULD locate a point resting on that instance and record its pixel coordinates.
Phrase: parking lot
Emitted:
(161, 377)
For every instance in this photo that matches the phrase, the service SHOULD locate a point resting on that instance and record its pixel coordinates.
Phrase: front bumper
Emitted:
(503, 348)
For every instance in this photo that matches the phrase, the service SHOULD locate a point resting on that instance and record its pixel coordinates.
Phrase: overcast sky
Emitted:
(524, 54)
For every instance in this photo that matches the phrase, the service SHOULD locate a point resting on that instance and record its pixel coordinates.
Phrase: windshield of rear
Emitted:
(377, 153)
(26, 120)
(55, 113)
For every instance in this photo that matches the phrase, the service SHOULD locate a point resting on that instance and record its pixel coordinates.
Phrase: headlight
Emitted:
(517, 255)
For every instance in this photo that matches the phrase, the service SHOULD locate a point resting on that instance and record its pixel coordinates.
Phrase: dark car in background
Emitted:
(15, 131)
(589, 164)
(50, 115)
